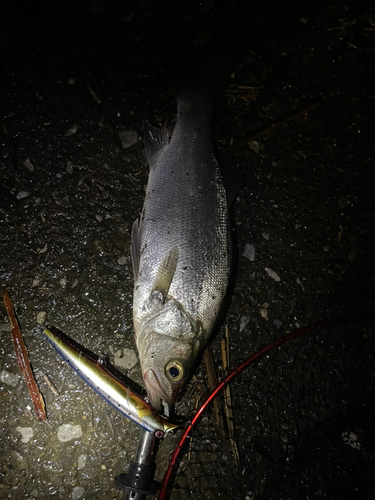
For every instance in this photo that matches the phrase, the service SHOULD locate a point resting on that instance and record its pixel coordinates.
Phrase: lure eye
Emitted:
(175, 371)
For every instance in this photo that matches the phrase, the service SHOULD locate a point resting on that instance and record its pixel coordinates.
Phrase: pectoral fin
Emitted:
(166, 272)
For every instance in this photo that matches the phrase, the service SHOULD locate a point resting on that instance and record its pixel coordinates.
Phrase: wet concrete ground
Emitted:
(73, 80)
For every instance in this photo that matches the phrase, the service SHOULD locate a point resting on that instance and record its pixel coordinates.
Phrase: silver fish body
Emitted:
(180, 249)
(109, 387)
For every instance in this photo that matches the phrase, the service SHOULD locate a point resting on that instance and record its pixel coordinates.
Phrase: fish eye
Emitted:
(174, 371)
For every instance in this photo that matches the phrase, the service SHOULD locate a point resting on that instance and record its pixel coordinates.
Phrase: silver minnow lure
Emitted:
(180, 244)
(109, 387)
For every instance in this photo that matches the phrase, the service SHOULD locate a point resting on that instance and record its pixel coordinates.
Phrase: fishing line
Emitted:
(177, 454)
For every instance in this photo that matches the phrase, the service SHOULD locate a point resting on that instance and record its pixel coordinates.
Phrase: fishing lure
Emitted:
(109, 387)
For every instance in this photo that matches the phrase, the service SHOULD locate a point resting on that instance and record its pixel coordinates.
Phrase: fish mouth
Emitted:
(155, 391)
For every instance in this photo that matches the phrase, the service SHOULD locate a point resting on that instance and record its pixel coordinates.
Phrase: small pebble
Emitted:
(63, 282)
(264, 313)
(22, 194)
(69, 167)
(244, 321)
(74, 283)
(299, 282)
(351, 439)
(122, 260)
(277, 323)
(9, 378)
(72, 130)
(71, 81)
(126, 359)
(41, 317)
(27, 163)
(81, 461)
(271, 273)
(42, 250)
(249, 252)
(67, 432)
(26, 432)
(254, 146)
(77, 492)
(266, 236)
(128, 138)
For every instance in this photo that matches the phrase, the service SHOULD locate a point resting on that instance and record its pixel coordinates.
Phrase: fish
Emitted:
(180, 245)
(109, 387)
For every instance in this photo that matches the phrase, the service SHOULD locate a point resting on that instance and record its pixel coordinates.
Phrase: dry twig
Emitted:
(275, 125)
(228, 408)
(23, 360)
(243, 92)
(212, 383)
(50, 384)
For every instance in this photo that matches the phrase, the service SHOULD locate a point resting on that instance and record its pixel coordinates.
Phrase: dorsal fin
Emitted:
(155, 140)
(166, 272)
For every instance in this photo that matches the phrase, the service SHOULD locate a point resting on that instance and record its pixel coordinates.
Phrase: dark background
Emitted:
(306, 206)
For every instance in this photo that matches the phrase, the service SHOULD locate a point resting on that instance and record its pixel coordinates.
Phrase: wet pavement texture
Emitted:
(77, 83)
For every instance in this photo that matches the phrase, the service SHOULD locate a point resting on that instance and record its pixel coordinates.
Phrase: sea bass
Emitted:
(180, 244)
